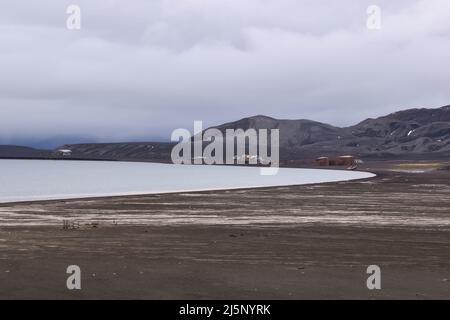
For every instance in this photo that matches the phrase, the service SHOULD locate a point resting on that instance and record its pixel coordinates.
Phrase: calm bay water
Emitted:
(24, 180)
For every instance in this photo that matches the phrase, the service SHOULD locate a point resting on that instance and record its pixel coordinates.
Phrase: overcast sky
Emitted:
(138, 69)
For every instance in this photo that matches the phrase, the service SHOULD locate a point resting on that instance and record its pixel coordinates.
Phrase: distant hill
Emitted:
(22, 152)
(413, 133)
(126, 151)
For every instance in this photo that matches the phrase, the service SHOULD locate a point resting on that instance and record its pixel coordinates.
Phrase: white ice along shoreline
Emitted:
(33, 180)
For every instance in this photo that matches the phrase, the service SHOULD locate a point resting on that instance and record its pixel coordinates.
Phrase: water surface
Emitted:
(25, 180)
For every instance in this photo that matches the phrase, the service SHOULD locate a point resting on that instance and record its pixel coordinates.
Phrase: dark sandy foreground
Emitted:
(304, 242)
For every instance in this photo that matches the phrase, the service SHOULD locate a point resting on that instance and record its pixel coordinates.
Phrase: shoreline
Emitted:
(143, 194)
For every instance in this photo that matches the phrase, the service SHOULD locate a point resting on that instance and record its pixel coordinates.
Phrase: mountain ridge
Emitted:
(410, 133)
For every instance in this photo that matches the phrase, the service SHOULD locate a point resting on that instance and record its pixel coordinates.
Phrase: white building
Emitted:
(64, 152)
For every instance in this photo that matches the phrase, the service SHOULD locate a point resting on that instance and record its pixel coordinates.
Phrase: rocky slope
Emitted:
(412, 132)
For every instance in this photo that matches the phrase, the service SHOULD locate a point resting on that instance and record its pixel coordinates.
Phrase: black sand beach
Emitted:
(299, 242)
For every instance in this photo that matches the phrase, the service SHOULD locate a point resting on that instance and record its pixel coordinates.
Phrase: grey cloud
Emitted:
(143, 68)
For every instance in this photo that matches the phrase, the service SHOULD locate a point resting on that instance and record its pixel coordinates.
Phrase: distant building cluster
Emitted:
(347, 160)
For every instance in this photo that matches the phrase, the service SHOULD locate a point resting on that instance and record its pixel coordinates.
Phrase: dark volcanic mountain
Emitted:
(293, 133)
(413, 133)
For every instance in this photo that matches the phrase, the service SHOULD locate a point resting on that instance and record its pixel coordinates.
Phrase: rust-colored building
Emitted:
(339, 161)
(323, 161)
(346, 161)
